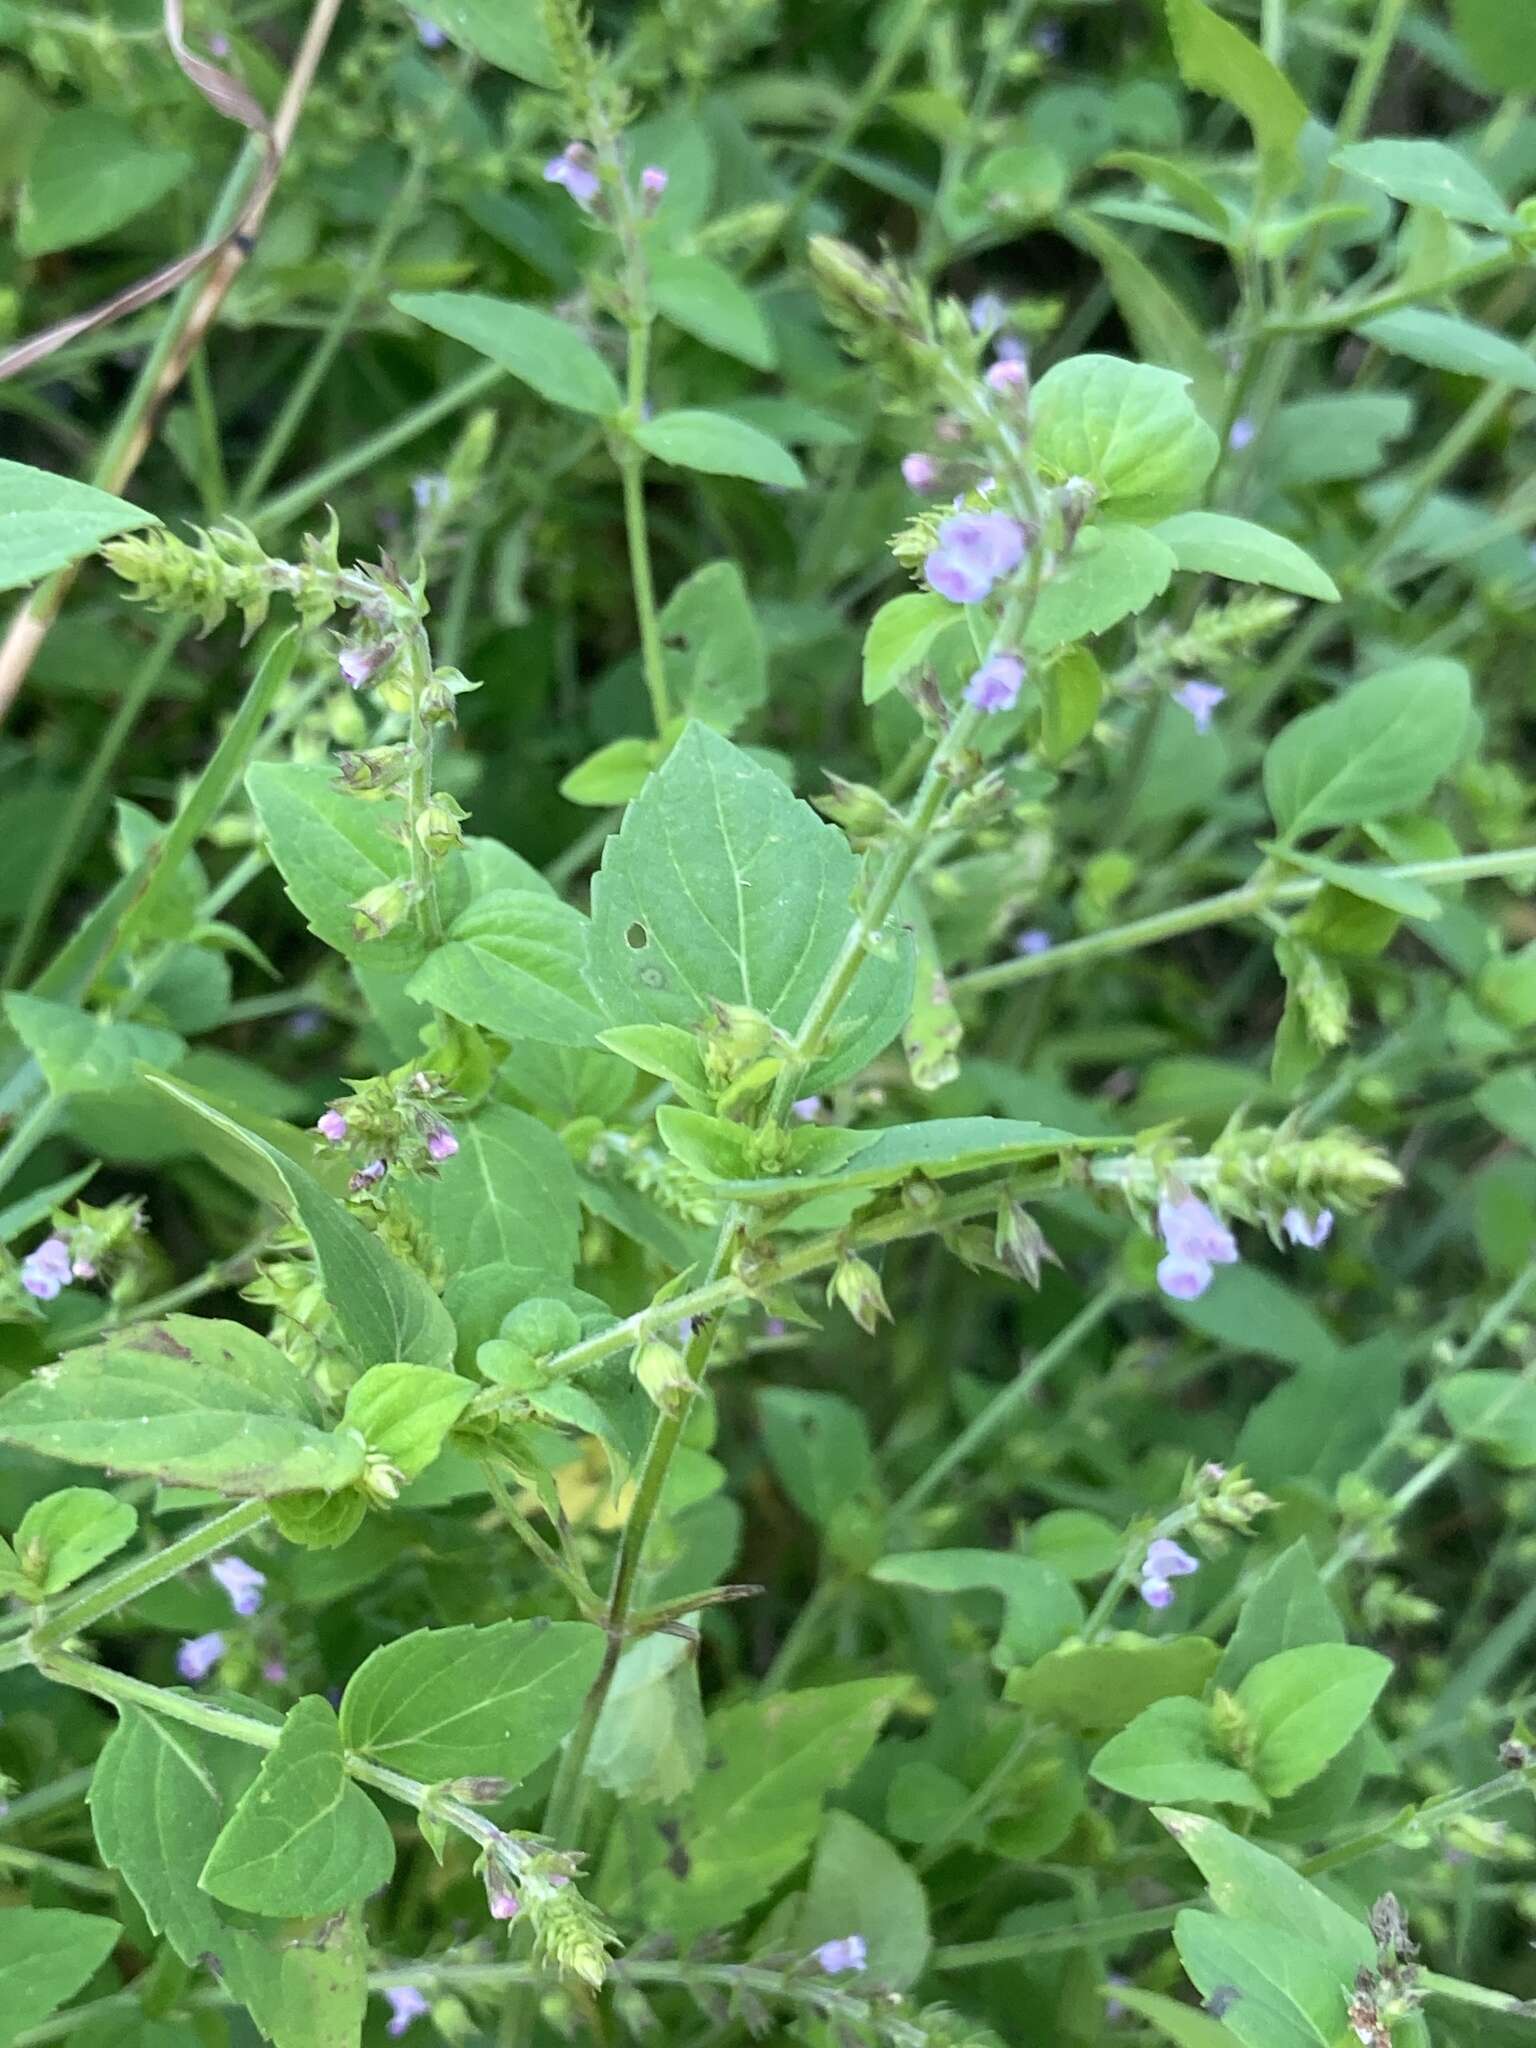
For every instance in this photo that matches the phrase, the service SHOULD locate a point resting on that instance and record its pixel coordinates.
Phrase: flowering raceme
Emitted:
(975, 551)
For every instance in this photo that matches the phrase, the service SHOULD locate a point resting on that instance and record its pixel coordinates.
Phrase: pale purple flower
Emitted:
(505, 1905)
(46, 1270)
(1009, 348)
(1312, 1232)
(1184, 1279)
(1048, 39)
(572, 168)
(653, 181)
(974, 550)
(1157, 1593)
(368, 1176)
(919, 471)
(987, 310)
(332, 1126)
(995, 685)
(849, 1953)
(807, 1108)
(1165, 1561)
(428, 34)
(359, 665)
(305, 1023)
(218, 46)
(1191, 1229)
(1008, 375)
(1035, 940)
(1241, 432)
(775, 1327)
(198, 1655)
(1200, 701)
(83, 1268)
(241, 1581)
(430, 492)
(405, 2004)
(441, 1143)
(275, 1671)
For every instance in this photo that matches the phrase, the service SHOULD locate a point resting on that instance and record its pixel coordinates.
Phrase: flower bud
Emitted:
(376, 915)
(661, 1370)
(372, 769)
(856, 1285)
(437, 827)
(381, 1480)
(1020, 1243)
(363, 662)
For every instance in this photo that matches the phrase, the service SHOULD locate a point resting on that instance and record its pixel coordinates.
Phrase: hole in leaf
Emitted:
(637, 938)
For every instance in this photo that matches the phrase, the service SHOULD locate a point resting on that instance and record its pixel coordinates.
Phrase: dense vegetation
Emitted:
(766, 1170)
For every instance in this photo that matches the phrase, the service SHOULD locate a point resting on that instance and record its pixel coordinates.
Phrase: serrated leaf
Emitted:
(1421, 172)
(483, 1702)
(82, 1053)
(721, 884)
(546, 354)
(46, 1955)
(512, 963)
(649, 1744)
(1494, 1410)
(303, 1839)
(1380, 747)
(1302, 1707)
(754, 1811)
(1167, 1752)
(510, 1194)
(719, 445)
(900, 637)
(1214, 56)
(1218, 545)
(330, 850)
(1114, 571)
(67, 1534)
(819, 1446)
(48, 521)
(1130, 429)
(191, 1402)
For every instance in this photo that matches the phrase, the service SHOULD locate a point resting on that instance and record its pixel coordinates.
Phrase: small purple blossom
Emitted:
(573, 169)
(987, 310)
(47, 1270)
(1009, 348)
(919, 471)
(218, 46)
(775, 1327)
(428, 34)
(441, 1143)
(1036, 940)
(368, 1176)
(1200, 701)
(405, 2004)
(849, 1953)
(807, 1108)
(996, 684)
(959, 581)
(430, 492)
(1048, 39)
(974, 550)
(1191, 1229)
(83, 1268)
(1157, 1593)
(1009, 375)
(1241, 432)
(1311, 1232)
(505, 1905)
(653, 181)
(359, 665)
(332, 1126)
(198, 1655)
(275, 1671)
(1184, 1279)
(1165, 1561)
(241, 1581)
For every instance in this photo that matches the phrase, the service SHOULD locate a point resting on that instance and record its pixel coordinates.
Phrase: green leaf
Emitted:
(1398, 893)
(404, 1412)
(1274, 1991)
(65, 1535)
(900, 637)
(1288, 1609)
(1302, 1707)
(1114, 571)
(1077, 1544)
(720, 446)
(511, 963)
(1248, 1883)
(716, 666)
(704, 300)
(1250, 1311)
(509, 1194)
(1337, 435)
(1444, 341)
(1292, 1431)
(754, 1811)
(471, 1702)
(1167, 1752)
(386, 1313)
(1379, 748)
(649, 1744)
(83, 1054)
(1071, 691)
(1494, 1410)
(46, 1955)
(1218, 545)
(190, 1402)
(939, 1150)
(47, 522)
(1424, 173)
(88, 176)
(1184, 2025)
(160, 1796)
(1500, 40)
(330, 850)
(1217, 58)
(818, 1445)
(546, 354)
(611, 775)
(1040, 1607)
(722, 885)
(1097, 1688)
(860, 1883)
(1128, 428)
(1162, 327)
(303, 1839)
(512, 38)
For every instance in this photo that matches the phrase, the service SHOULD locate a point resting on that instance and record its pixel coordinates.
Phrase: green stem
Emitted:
(74, 1876)
(1251, 898)
(652, 655)
(104, 1596)
(418, 794)
(546, 1553)
(35, 1125)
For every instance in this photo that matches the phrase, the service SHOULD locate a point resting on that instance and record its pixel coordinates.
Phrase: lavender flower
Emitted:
(1241, 432)
(275, 1671)
(241, 1581)
(995, 685)
(807, 1108)
(987, 310)
(1183, 1279)
(1007, 376)
(198, 1655)
(1035, 940)
(430, 492)
(653, 181)
(974, 550)
(441, 1143)
(1200, 701)
(332, 1126)
(368, 1176)
(573, 169)
(1312, 1232)
(849, 1953)
(919, 471)
(405, 2004)
(359, 665)
(505, 1905)
(428, 34)
(46, 1270)
(1165, 1561)
(1191, 1229)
